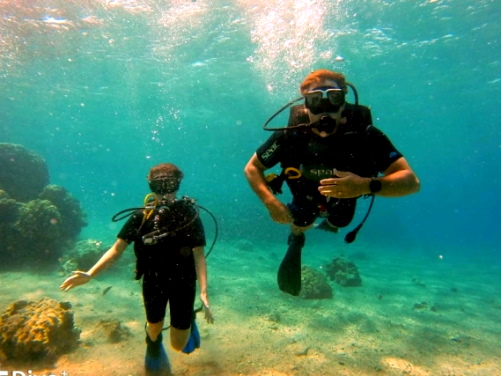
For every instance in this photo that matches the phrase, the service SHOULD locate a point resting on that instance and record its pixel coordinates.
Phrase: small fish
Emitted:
(107, 289)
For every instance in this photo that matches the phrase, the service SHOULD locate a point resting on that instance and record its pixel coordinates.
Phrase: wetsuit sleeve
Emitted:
(271, 151)
(130, 230)
(382, 149)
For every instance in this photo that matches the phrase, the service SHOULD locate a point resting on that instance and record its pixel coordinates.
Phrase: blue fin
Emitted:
(194, 340)
(156, 362)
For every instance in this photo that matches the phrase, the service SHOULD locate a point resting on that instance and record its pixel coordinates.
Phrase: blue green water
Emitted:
(105, 89)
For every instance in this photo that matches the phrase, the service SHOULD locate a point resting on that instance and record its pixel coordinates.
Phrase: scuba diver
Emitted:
(169, 241)
(330, 155)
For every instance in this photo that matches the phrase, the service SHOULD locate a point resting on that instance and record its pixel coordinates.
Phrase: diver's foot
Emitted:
(194, 340)
(326, 226)
(156, 362)
(289, 271)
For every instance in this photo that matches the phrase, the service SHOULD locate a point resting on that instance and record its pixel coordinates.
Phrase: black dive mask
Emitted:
(324, 99)
(163, 185)
(325, 124)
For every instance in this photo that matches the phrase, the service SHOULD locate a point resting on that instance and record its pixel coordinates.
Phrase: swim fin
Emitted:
(156, 362)
(289, 272)
(194, 340)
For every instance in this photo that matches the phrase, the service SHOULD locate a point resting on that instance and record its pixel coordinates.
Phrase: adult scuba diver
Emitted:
(330, 155)
(169, 241)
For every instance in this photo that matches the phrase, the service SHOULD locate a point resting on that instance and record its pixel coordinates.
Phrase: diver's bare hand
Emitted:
(346, 185)
(78, 278)
(208, 314)
(206, 308)
(279, 212)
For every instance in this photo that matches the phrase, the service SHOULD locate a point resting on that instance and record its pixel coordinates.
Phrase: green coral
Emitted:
(9, 210)
(82, 256)
(72, 216)
(38, 234)
(23, 174)
(37, 220)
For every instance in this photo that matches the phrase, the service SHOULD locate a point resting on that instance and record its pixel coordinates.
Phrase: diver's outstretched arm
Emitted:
(80, 278)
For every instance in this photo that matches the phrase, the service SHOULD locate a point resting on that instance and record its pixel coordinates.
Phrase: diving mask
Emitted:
(324, 99)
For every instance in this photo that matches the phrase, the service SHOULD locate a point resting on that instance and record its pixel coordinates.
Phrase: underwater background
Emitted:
(103, 90)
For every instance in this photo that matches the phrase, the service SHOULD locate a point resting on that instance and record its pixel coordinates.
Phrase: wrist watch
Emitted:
(375, 185)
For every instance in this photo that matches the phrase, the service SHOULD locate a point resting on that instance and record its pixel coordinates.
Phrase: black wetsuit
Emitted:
(167, 267)
(356, 147)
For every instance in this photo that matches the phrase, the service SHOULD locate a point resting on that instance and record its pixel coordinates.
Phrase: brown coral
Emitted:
(314, 285)
(36, 331)
(343, 272)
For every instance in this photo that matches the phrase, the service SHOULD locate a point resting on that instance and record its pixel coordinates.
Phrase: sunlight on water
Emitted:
(287, 35)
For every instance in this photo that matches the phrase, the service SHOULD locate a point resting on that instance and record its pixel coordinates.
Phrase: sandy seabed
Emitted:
(375, 329)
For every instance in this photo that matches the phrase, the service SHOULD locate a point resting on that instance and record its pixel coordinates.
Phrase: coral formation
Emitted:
(37, 331)
(343, 272)
(314, 285)
(82, 256)
(36, 239)
(9, 210)
(24, 174)
(37, 221)
(72, 216)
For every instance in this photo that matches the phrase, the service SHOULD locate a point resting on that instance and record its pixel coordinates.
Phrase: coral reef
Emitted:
(72, 216)
(40, 331)
(314, 285)
(343, 272)
(9, 209)
(24, 174)
(82, 256)
(36, 239)
(37, 221)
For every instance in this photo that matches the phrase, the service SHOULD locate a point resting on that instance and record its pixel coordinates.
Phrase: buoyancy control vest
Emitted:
(309, 158)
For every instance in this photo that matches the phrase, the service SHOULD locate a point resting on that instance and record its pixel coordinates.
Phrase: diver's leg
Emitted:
(184, 333)
(154, 329)
(156, 362)
(179, 337)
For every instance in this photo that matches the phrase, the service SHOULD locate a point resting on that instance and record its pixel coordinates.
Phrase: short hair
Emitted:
(321, 75)
(165, 169)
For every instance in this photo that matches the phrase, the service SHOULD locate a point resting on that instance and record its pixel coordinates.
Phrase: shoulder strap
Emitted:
(358, 115)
